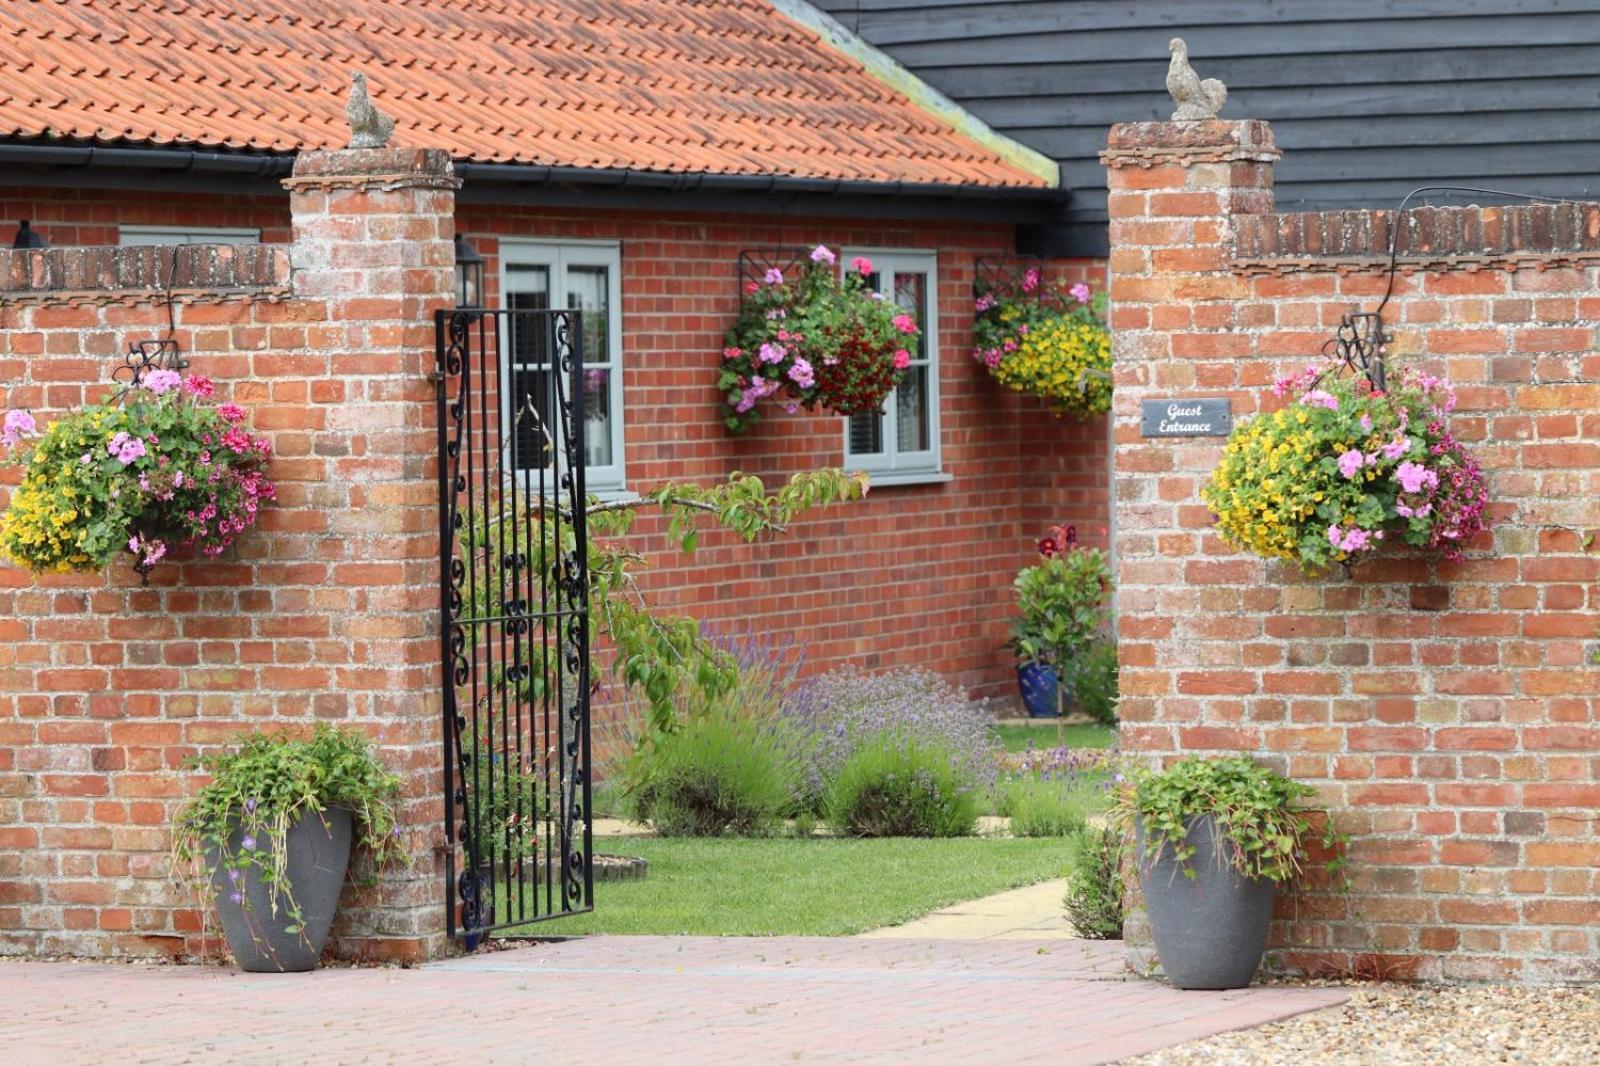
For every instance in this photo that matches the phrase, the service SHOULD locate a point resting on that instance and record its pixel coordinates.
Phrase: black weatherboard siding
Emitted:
(1368, 98)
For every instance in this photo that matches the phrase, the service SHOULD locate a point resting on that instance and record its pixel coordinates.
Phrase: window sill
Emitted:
(889, 479)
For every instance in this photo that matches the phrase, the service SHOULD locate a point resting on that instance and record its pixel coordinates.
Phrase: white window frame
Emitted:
(556, 256)
(130, 236)
(892, 466)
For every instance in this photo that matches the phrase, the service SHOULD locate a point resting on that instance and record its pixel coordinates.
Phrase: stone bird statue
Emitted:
(369, 127)
(1197, 100)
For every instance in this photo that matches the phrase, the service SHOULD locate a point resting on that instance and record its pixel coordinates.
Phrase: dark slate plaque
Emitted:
(1185, 418)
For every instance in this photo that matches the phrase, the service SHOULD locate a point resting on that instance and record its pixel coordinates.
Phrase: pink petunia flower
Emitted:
(161, 381)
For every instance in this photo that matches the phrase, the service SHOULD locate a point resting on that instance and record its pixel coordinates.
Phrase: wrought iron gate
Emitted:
(514, 601)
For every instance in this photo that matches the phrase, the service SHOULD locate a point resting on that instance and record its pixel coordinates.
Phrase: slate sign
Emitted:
(1185, 418)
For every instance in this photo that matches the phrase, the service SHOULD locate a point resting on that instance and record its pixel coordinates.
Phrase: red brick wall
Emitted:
(915, 574)
(1449, 714)
(323, 612)
(105, 687)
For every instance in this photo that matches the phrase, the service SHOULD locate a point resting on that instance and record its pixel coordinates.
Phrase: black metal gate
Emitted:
(514, 592)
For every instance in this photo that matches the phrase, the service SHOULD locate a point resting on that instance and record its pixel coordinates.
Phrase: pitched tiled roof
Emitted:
(704, 86)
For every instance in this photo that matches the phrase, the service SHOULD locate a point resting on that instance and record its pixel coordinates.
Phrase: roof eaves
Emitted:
(888, 71)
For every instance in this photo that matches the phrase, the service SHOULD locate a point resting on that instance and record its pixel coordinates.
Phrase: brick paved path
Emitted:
(634, 1000)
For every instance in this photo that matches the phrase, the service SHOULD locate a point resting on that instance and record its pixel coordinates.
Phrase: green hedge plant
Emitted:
(896, 784)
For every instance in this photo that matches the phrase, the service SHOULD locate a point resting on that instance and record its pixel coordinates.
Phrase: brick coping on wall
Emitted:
(1539, 235)
(104, 275)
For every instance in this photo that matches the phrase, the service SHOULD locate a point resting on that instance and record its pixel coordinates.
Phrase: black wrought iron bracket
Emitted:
(756, 263)
(145, 356)
(1003, 275)
(1361, 344)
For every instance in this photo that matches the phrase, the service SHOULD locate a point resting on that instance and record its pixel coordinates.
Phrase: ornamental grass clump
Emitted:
(733, 765)
(1345, 467)
(154, 470)
(897, 784)
(1048, 340)
(820, 338)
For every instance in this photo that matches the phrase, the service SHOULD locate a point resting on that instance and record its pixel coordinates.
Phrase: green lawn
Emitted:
(1043, 734)
(785, 887)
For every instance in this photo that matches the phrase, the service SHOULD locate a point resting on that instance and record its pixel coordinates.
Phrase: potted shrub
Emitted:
(156, 469)
(1215, 838)
(1061, 605)
(1346, 466)
(269, 837)
(1048, 340)
(819, 339)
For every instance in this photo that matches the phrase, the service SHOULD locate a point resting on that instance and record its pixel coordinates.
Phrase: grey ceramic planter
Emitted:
(318, 847)
(1210, 931)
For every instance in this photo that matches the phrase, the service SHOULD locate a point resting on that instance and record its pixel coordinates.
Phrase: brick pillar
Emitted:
(1175, 189)
(372, 245)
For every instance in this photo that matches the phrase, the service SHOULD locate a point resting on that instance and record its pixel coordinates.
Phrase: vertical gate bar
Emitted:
(498, 829)
(549, 546)
(469, 558)
(517, 825)
(446, 660)
(557, 455)
(580, 528)
(484, 729)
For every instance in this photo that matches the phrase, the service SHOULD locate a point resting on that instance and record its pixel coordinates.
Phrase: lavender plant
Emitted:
(846, 710)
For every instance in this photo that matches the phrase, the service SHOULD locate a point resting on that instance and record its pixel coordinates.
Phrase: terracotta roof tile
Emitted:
(718, 86)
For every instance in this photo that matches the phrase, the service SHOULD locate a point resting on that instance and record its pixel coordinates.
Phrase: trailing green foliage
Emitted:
(1264, 829)
(257, 791)
(1094, 883)
(895, 784)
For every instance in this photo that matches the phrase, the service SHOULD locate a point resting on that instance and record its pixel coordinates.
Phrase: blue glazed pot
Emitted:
(1038, 684)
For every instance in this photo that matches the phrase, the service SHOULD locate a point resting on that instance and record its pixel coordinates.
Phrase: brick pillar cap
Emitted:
(1186, 143)
(386, 167)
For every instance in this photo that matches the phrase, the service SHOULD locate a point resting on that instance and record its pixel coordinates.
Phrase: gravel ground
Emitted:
(1398, 1025)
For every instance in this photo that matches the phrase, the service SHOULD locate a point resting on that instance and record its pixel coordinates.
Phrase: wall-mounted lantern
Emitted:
(26, 238)
(469, 274)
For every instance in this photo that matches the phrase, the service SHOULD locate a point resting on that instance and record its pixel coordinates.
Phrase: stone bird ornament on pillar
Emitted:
(1197, 100)
(369, 127)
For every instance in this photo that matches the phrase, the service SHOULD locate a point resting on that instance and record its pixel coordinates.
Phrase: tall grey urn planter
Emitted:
(318, 855)
(1211, 930)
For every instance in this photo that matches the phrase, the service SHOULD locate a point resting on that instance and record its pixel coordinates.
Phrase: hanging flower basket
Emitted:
(1048, 340)
(156, 469)
(1346, 466)
(814, 338)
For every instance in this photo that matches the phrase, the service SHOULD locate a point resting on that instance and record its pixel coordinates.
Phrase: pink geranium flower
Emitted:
(821, 254)
(862, 265)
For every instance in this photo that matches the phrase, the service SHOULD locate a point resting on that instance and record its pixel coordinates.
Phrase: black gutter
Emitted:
(514, 183)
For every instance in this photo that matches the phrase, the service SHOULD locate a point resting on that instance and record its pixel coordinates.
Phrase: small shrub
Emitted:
(1094, 883)
(897, 784)
(719, 773)
(1094, 683)
(842, 711)
(1045, 807)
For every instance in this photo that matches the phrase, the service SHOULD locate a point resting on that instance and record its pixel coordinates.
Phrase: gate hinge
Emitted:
(436, 375)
